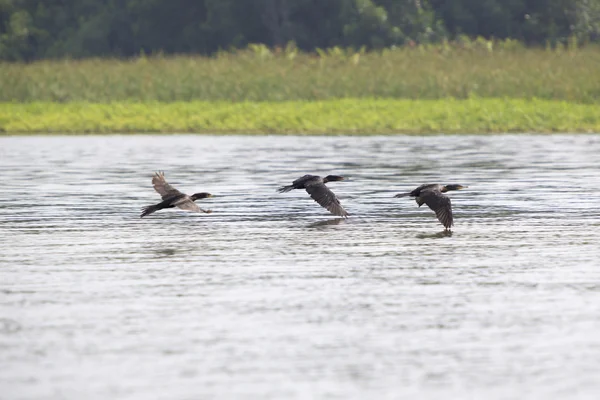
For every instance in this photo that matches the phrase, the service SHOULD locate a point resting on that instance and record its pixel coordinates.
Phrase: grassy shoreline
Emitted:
(477, 87)
(342, 116)
(428, 72)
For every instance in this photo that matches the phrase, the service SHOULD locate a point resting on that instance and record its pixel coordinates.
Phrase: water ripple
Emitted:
(270, 296)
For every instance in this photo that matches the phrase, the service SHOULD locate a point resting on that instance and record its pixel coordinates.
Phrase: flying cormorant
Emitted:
(432, 195)
(315, 186)
(173, 197)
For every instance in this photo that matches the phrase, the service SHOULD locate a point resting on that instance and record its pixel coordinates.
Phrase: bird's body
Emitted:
(172, 197)
(315, 186)
(433, 195)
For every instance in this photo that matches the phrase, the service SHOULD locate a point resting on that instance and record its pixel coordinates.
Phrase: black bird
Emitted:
(315, 186)
(173, 197)
(432, 195)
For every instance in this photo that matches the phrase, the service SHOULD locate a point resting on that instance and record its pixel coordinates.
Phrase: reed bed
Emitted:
(260, 75)
(341, 116)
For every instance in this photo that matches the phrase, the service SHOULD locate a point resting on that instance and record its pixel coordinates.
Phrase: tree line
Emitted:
(40, 29)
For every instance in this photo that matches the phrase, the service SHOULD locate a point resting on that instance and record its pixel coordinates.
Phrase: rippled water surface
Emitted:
(270, 297)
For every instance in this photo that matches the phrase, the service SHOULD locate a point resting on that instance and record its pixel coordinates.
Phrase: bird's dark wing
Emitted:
(186, 203)
(162, 187)
(299, 183)
(325, 197)
(304, 180)
(440, 204)
(417, 191)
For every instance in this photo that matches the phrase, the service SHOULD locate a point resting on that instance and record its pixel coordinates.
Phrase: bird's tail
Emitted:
(402, 194)
(284, 189)
(149, 210)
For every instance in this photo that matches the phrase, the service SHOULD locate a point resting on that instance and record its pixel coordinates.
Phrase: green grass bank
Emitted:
(342, 116)
(482, 69)
(468, 87)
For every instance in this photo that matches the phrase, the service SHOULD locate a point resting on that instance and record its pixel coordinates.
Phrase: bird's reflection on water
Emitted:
(438, 235)
(165, 252)
(334, 221)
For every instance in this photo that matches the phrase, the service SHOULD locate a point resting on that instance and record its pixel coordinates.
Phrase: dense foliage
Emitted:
(38, 29)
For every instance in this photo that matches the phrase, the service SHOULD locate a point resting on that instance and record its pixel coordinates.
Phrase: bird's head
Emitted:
(455, 187)
(203, 195)
(333, 178)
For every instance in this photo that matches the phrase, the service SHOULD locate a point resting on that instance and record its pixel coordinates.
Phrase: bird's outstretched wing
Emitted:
(162, 187)
(325, 197)
(186, 203)
(440, 204)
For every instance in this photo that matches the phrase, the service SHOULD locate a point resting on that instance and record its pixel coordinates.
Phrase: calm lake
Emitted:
(271, 297)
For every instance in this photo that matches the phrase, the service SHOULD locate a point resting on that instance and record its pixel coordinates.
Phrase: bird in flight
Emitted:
(172, 197)
(433, 195)
(315, 186)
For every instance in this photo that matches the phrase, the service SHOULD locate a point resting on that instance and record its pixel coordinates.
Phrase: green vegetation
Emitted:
(364, 116)
(459, 70)
(389, 66)
(462, 87)
(41, 29)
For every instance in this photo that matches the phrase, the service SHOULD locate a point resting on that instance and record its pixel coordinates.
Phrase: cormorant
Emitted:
(173, 197)
(432, 195)
(315, 186)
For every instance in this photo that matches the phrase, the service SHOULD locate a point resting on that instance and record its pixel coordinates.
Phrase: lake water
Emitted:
(270, 297)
